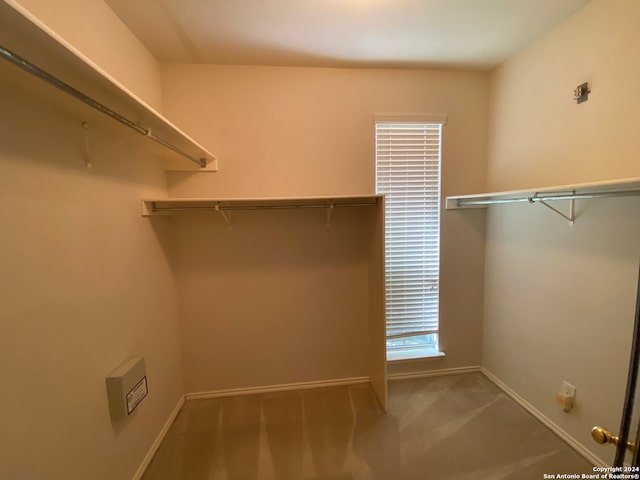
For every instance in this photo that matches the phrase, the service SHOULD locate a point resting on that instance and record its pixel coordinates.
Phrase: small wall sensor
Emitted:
(581, 93)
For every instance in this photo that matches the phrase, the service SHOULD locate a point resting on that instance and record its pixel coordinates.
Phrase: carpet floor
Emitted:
(458, 427)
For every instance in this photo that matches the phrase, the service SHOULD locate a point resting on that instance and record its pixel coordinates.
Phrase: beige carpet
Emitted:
(457, 427)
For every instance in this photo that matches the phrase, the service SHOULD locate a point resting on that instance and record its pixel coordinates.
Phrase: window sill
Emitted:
(413, 354)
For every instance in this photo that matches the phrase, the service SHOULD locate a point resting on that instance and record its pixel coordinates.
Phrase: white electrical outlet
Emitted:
(568, 388)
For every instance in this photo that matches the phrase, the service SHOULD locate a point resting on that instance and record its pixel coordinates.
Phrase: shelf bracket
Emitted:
(87, 153)
(571, 218)
(329, 212)
(225, 216)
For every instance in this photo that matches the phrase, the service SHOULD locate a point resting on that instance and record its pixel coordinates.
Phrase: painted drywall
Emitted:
(540, 136)
(92, 28)
(377, 302)
(309, 131)
(280, 298)
(85, 284)
(560, 300)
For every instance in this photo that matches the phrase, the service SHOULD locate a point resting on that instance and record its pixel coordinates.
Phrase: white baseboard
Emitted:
(433, 373)
(156, 443)
(572, 442)
(277, 388)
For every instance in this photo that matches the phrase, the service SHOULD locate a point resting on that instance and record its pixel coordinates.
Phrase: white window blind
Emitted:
(408, 172)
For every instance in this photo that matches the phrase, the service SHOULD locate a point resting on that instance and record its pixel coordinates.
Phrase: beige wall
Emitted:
(92, 28)
(280, 298)
(559, 300)
(282, 131)
(309, 131)
(85, 284)
(539, 135)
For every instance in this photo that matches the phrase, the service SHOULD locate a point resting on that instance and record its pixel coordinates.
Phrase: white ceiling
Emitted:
(365, 33)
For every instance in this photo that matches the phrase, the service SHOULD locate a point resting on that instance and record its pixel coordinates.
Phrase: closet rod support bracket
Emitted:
(571, 218)
(329, 212)
(87, 153)
(225, 216)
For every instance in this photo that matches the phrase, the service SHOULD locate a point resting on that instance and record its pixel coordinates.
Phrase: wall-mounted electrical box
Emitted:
(581, 93)
(127, 387)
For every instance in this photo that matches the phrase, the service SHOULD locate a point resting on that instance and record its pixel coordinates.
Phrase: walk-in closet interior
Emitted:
(193, 249)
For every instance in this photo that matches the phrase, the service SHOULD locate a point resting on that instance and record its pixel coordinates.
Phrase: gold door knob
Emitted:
(603, 436)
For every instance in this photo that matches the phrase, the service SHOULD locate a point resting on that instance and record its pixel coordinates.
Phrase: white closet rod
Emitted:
(36, 71)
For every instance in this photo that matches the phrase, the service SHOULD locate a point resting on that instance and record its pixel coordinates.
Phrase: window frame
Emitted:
(405, 348)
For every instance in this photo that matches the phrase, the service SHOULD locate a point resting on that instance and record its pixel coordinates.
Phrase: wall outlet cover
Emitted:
(568, 389)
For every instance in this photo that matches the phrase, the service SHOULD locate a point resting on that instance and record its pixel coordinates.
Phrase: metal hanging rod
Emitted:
(224, 206)
(159, 207)
(29, 67)
(542, 197)
(218, 207)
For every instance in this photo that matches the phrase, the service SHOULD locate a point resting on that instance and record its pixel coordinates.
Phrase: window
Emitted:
(408, 153)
